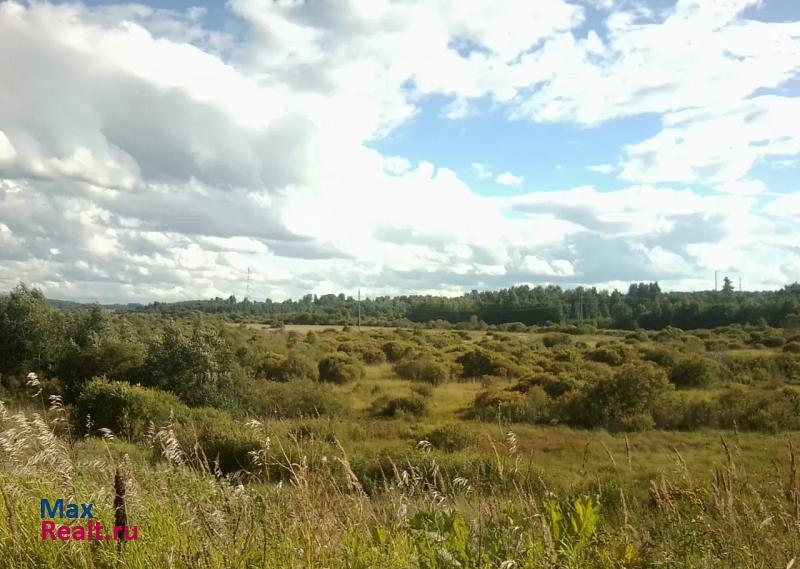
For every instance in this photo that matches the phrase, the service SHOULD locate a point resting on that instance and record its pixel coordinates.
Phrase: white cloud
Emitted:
(602, 168)
(147, 157)
(508, 179)
(700, 54)
(719, 145)
(481, 170)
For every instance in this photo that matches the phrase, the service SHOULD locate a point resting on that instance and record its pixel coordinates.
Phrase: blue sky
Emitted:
(159, 151)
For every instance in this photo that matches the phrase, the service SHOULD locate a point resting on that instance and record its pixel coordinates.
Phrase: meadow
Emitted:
(245, 445)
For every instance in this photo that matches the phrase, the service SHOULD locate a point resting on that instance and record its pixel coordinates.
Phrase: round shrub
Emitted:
(395, 351)
(694, 371)
(557, 339)
(296, 366)
(392, 407)
(423, 369)
(611, 354)
(451, 437)
(124, 408)
(480, 362)
(373, 355)
(340, 368)
(296, 398)
(792, 347)
(661, 356)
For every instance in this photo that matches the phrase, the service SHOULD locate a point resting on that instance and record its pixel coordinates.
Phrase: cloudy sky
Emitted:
(158, 151)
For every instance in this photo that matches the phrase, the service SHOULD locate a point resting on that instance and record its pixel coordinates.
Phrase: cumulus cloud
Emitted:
(481, 170)
(144, 156)
(601, 168)
(508, 179)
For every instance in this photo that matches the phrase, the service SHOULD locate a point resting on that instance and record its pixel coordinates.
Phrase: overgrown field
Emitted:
(245, 446)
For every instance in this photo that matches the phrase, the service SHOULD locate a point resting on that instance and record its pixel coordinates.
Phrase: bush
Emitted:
(620, 401)
(128, 411)
(296, 398)
(392, 407)
(679, 412)
(223, 440)
(422, 389)
(792, 347)
(372, 355)
(424, 369)
(664, 357)
(395, 351)
(612, 354)
(296, 366)
(124, 408)
(773, 341)
(532, 406)
(451, 437)
(694, 371)
(557, 339)
(770, 411)
(340, 368)
(479, 362)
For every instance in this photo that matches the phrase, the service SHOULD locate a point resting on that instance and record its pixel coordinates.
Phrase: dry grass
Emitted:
(679, 504)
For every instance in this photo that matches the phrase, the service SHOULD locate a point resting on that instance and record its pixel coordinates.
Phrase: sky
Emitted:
(160, 151)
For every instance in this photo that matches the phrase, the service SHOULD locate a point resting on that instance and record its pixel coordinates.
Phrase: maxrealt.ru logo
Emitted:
(92, 530)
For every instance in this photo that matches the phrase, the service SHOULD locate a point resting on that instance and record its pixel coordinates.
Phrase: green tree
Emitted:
(196, 369)
(31, 334)
(727, 286)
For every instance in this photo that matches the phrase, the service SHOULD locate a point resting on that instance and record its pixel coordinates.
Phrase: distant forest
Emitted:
(644, 305)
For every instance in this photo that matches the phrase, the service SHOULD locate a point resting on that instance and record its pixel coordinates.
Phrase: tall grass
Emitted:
(305, 502)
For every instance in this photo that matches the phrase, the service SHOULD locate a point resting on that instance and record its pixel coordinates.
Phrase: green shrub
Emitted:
(373, 355)
(611, 354)
(773, 341)
(480, 362)
(532, 406)
(282, 368)
(392, 407)
(340, 368)
(223, 440)
(128, 410)
(557, 339)
(771, 410)
(422, 369)
(694, 371)
(451, 437)
(422, 389)
(662, 356)
(620, 401)
(792, 347)
(395, 351)
(296, 398)
(124, 408)
(676, 411)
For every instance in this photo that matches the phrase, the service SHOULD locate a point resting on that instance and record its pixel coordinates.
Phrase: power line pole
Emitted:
(359, 310)
(715, 281)
(247, 294)
(740, 284)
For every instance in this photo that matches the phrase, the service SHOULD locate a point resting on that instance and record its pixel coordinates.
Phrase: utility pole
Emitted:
(359, 310)
(247, 294)
(580, 305)
(715, 281)
(740, 284)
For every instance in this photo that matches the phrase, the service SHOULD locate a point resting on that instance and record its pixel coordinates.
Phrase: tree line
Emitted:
(644, 305)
